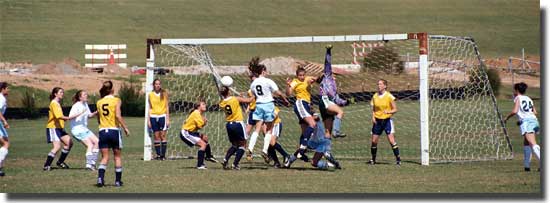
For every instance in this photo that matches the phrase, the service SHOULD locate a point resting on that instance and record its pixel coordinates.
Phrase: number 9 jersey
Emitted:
(106, 111)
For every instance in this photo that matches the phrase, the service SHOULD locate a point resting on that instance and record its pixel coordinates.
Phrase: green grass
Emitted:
(44, 31)
(28, 151)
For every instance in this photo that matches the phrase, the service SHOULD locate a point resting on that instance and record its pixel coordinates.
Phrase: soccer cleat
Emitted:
(203, 167)
(337, 135)
(236, 167)
(277, 165)
(267, 159)
(211, 159)
(118, 183)
(285, 159)
(249, 156)
(224, 165)
(63, 165)
(47, 168)
(304, 158)
(527, 169)
(371, 162)
(398, 161)
(90, 168)
(289, 161)
(100, 182)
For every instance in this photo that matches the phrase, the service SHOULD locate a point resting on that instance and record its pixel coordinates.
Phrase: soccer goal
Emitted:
(447, 110)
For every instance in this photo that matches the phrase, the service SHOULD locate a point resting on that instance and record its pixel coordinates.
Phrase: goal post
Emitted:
(432, 76)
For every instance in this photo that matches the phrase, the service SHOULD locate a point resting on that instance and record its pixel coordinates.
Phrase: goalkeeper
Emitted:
(330, 104)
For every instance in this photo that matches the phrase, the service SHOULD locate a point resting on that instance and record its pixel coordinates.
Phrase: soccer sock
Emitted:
(230, 153)
(252, 141)
(271, 153)
(3, 154)
(208, 150)
(280, 149)
(240, 153)
(336, 125)
(64, 154)
(95, 154)
(395, 149)
(373, 150)
(526, 156)
(89, 159)
(536, 151)
(267, 140)
(157, 147)
(101, 171)
(49, 159)
(118, 174)
(163, 146)
(200, 158)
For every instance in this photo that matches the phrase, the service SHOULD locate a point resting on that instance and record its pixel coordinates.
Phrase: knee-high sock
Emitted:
(373, 150)
(395, 149)
(157, 148)
(49, 159)
(252, 141)
(267, 140)
(95, 154)
(306, 135)
(200, 158)
(118, 174)
(271, 153)
(336, 126)
(89, 159)
(163, 146)
(239, 155)
(3, 154)
(280, 149)
(64, 154)
(230, 153)
(536, 151)
(526, 156)
(101, 171)
(208, 150)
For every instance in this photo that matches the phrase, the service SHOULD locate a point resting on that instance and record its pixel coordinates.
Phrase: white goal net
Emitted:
(462, 121)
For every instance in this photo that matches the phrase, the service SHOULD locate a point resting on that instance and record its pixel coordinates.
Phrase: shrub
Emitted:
(479, 74)
(29, 106)
(132, 102)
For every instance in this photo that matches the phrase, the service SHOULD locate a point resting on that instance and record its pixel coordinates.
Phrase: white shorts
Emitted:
(81, 133)
(529, 126)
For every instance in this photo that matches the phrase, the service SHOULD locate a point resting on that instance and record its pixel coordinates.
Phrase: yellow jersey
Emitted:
(382, 103)
(106, 110)
(193, 122)
(301, 88)
(158, 104)
(277, 117)
(251, 105)
(232, 108)
(54, 116)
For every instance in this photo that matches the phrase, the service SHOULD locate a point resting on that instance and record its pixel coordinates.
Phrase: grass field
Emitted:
(44, 31)
(29, 149)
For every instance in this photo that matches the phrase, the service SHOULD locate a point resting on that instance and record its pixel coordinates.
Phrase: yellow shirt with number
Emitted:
(301, 88)
(382, 103)
(232, 109)
(277, 117)
(158, 104)
(251, 105)
(194, 122)
(54, 116)
(106, 110)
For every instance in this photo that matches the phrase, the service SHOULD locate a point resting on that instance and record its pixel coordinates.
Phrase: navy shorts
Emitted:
(158, 123)
(110, 138)
(235, 131)
(190, 138)
(383, 125)
(54, 134)
(302, 110)
(250, 121)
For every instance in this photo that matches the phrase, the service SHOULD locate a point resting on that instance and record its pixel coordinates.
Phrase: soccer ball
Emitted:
(227, 81)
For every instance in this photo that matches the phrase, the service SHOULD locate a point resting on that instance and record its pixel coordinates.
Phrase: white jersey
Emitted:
(3, 104)
(263, 88)
(525, 107)
(82, 120)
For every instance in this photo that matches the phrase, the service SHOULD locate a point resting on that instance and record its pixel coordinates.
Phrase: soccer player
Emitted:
(55, 132)
(383, 108)
(110, 121)
(191, 136)
(525, 110)
(234, 126)
(263, 89)
(273, 143)
(330, 100)
(251, 123)
(159, 118)
(301, 87)
(79, 128)
(4, 141)
(320, 141)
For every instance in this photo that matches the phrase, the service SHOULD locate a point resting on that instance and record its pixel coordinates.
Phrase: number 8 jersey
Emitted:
(106, 111)
(525, 110)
